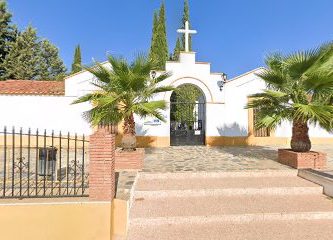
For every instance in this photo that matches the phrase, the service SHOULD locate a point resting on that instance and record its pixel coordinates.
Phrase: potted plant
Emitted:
(299, 90)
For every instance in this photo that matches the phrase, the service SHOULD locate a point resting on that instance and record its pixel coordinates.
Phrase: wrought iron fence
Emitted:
(41, 165)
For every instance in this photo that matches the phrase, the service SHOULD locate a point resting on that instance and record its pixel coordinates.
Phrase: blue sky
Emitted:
(233, 35)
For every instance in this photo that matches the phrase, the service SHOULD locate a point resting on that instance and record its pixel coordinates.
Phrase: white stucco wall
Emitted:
(43, 112)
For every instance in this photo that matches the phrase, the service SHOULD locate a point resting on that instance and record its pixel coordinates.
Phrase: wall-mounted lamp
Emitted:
(153, 74)
(220, 84)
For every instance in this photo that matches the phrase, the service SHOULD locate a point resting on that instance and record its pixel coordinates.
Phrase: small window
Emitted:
(261, 132)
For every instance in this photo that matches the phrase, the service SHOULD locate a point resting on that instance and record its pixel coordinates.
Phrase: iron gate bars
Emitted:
(42, 165)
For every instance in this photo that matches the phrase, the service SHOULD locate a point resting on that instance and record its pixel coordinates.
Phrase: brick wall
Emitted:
(130, 160)
(102, 165)
(300, 160)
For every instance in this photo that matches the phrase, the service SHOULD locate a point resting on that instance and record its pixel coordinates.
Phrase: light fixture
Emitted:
(221, 83)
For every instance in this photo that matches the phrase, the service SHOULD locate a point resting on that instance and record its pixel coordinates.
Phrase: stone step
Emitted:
(229, 192)
(196, 183)
(187, 207)
(258, 230)
(234, 174)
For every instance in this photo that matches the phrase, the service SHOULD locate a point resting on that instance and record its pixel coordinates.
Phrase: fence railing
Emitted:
(41, 164)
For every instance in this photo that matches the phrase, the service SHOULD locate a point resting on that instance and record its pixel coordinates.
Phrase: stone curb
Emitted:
(321, 178)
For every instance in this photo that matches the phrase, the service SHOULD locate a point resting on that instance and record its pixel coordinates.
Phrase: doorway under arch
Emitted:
(187, 116)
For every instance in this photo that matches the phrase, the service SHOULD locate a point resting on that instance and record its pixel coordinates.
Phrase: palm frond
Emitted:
(163, 89)
(324, 62)
(162, 77)
(319, 84)
(275, 62)
(321, 114)
(151, 109)
(299, 62)
(274, 79)
(88, 97)
(270, 122)
(100, 72)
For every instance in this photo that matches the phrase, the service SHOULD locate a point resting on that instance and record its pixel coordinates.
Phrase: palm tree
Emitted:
(299, 90)
(124, 90)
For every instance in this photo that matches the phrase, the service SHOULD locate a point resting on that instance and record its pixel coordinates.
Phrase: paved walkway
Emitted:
(209, 159)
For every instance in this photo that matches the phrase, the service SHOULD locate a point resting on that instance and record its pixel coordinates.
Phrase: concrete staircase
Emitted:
(229, 205)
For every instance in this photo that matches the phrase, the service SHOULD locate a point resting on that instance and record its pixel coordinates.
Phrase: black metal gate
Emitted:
(187, 124)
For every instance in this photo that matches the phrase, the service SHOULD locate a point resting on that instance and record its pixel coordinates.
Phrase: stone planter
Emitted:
(301, 160)
(129, 160)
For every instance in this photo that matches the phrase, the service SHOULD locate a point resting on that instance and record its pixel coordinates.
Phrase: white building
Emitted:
(222, 118)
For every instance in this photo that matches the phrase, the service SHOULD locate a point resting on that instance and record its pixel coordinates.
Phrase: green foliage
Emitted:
(32, 59)
(7, 33)
(153, 54)
(159, 51)
(184, 94)
(125, 90)
(22, 62)
(175, 56)
(51, 67)
(77, 62)
(299, 89)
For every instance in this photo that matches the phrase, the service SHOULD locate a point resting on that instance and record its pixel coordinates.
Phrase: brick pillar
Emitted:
(101, 166)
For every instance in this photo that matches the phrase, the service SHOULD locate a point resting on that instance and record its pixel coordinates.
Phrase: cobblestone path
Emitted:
(226, 158)
(201, 158)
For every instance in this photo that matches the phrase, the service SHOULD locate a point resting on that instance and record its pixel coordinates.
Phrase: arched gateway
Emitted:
(187, 116)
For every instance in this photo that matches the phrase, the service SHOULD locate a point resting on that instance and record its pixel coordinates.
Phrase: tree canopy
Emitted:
(24, 55)
(32, 58)
(8, 33)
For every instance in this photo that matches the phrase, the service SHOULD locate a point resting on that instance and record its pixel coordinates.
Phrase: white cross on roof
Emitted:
(187, 33)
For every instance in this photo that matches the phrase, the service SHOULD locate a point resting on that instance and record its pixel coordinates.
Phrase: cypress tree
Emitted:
(177, 50)
(163, 51)
(8, 34)
(186, 17)
(77, 62)
(159, 51)
(153, 54)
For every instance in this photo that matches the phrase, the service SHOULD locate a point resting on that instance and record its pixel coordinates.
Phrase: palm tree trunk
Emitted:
(300, 141)
(129, 140)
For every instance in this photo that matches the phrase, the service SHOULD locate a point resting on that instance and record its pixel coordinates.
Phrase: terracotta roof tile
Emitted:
(32, 87)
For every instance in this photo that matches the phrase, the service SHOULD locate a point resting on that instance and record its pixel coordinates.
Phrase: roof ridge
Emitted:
(246, 73)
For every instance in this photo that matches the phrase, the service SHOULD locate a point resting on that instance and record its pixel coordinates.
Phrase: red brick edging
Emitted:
(130, 160)
(301, 160)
